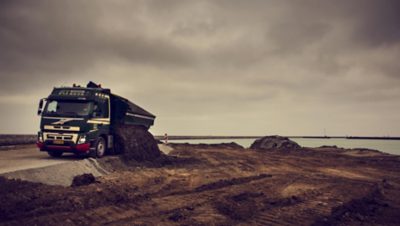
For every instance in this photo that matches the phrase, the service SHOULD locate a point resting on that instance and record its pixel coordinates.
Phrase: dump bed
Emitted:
(126, 112)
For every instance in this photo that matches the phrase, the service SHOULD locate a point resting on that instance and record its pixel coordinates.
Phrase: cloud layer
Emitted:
(225, 67)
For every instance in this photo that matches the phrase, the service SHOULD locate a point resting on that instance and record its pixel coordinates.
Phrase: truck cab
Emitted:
(82, 120)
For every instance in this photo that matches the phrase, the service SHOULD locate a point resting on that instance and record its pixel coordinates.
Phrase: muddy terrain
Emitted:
(219, 185)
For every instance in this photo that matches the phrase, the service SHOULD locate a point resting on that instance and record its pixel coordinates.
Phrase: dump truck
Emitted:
(83, 120)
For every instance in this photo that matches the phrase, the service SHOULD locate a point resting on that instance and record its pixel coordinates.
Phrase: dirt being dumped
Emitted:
(136, 143)
(220, 186)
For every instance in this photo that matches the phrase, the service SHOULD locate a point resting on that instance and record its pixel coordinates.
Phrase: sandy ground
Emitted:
(28, 163)
(220, 185)
(29, 157)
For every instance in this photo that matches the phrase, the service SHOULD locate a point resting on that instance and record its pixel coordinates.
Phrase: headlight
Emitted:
(82, 139)
(40, 137)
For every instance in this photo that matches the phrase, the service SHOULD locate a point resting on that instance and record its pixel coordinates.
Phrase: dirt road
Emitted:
(27, 157)
(28, 163)
(221, 185)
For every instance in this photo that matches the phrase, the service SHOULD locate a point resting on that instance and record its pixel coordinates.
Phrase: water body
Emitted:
(388, 146)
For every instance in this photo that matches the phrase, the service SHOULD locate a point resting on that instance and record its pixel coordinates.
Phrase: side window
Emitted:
(52, 106)
(97, 112)
(101, 109)
(105, 108)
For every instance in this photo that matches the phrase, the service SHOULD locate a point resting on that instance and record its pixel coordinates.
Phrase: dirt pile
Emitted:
(136, 143)
(84, 179)
(275, 143)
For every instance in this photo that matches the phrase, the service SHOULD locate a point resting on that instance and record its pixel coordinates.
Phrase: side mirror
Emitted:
(41, 104)
(40, 108)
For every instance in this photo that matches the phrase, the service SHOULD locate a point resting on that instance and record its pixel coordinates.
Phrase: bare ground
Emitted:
(221, 185)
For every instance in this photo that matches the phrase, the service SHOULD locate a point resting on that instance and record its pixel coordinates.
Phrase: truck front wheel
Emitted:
(99, 148)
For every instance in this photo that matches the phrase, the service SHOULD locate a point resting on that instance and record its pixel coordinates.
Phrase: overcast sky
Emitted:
(229, 67)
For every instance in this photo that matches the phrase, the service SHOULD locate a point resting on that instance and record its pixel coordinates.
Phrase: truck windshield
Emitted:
(67, 108)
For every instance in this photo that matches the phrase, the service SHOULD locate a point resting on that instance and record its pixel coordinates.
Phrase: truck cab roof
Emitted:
(92, 93)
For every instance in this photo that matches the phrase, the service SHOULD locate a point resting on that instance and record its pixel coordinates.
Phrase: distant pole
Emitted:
(324, 132)
(166, 138)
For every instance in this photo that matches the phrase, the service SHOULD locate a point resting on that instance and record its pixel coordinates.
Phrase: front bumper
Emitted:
(74, 148)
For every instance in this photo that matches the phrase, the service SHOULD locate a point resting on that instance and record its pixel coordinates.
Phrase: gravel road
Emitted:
(27, 157)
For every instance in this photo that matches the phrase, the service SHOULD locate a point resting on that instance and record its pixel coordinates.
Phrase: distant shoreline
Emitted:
(17, 139)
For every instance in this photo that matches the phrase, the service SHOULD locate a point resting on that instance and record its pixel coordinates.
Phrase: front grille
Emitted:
(65, 137)
(63, 128)
(59, 137)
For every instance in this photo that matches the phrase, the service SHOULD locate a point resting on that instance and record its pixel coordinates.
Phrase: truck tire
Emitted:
(99, 148)
(55, 154)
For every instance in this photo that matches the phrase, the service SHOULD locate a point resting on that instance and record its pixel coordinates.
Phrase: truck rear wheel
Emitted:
(99, 148)
(55, 154)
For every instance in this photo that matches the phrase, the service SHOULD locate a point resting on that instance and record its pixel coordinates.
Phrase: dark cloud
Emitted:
(380, 24)
(204, 64)
(61, 35)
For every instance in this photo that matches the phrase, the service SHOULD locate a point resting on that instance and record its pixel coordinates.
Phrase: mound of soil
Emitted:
(136, 143)
(275, 143)
(84, 179)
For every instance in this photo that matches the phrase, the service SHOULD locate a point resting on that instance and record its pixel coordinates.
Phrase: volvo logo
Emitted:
(62, 121)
